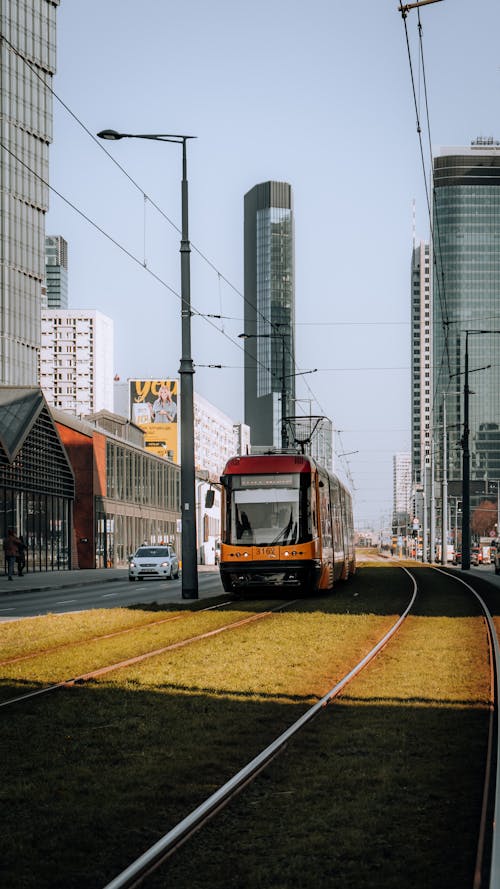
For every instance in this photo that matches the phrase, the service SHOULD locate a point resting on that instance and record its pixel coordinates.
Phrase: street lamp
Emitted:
(186, 371)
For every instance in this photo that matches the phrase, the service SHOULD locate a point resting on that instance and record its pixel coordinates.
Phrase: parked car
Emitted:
(153, 561)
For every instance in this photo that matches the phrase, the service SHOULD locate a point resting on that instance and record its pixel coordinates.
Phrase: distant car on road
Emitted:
(153, 561)
(476, 556)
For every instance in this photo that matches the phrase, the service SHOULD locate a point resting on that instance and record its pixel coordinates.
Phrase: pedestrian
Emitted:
(21, 556)
(10, 547)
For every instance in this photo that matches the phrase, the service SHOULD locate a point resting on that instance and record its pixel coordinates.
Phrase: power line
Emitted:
(143, 264)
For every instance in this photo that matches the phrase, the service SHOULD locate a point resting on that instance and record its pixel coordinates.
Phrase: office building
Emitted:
(123, 495)
(269, 311)
(27, 59)
(55, 291)
(217, 438)
(466, 290)
(402, 486)
(76, 360)
(421, 352)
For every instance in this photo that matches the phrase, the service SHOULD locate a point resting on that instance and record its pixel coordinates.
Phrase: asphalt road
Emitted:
(58, 592)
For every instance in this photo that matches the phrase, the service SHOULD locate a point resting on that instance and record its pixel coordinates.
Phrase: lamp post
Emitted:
(189, 574)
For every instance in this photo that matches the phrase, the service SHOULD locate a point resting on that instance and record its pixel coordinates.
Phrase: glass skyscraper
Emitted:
(27, 59)
(466, 298)
(56, 273)
(269, 310)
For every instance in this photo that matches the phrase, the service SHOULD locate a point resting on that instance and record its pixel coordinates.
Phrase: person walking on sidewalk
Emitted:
(10, 548)
(21, 556)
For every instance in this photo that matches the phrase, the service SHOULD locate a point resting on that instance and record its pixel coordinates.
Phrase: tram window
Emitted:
(264, 517)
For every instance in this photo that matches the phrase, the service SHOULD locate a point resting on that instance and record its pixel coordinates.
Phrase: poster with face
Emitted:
(154, 407)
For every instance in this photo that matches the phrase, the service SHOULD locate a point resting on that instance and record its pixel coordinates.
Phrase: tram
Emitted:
(286, 523)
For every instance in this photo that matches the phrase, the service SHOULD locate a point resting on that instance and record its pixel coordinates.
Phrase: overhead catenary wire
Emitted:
(143, 262)
(146, 198)
(433, 229)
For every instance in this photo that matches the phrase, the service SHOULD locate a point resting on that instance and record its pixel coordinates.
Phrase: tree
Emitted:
(483, 518)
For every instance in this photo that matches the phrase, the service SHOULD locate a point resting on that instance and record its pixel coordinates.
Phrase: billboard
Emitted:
(154, 407)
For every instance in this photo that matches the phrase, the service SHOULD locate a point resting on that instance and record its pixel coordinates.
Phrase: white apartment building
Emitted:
(421, 344)
(402, 488)
(76, 360)
(216, 438)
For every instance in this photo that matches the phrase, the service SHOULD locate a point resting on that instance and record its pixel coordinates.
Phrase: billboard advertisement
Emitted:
(154, 407)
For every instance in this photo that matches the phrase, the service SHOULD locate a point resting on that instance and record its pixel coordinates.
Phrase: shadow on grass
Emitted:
(374, 589)
(370, 795)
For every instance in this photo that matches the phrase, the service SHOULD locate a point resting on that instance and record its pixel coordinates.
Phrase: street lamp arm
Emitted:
(301, 373)
(113, 135)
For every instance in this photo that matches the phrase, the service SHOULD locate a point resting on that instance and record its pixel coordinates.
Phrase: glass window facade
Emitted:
(36, 483)
(269, 310)
(27, 66)
(142, 503)
(466, 292)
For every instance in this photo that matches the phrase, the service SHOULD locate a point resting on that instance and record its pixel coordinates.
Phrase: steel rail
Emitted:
(134, 874)
(152, 623)
(101, 671)
(492, 756)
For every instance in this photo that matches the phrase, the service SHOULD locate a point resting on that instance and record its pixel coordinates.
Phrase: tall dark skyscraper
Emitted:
(466, 297)
(269, 310)
(56, 273)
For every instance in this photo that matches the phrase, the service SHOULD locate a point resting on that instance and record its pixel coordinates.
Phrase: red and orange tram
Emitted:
(286, 522)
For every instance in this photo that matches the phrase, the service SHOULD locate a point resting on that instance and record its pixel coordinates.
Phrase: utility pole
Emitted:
(444, 493)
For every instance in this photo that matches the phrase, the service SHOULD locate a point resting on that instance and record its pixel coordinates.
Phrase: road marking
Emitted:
(66, 601)
(108, 595)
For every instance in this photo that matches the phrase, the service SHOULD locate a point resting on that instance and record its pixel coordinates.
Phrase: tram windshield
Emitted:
(265, 516)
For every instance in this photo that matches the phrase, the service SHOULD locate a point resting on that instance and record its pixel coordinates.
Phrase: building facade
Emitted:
(466, 288)
(217, 438)
(269, 315)
(402, 488)
(421, 355)
(55, 292)
(37, 486)
(76, 360)
(123, 495)
(27, 59)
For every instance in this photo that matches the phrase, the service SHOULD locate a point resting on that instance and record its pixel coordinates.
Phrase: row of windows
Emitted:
(25, 166)
(135, 477)
(22, 235)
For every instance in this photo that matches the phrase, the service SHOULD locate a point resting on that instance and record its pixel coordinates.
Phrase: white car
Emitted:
(153, 561)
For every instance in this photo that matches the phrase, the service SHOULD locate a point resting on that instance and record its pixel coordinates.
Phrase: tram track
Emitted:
(237, 726)
(44, 652)
(488, 828)
(486, 874)
(136, 659)
(134, 874)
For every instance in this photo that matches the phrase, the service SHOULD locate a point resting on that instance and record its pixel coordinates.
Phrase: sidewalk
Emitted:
(50, 580)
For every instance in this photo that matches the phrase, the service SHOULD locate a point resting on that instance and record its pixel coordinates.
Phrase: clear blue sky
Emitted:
(316, 94)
